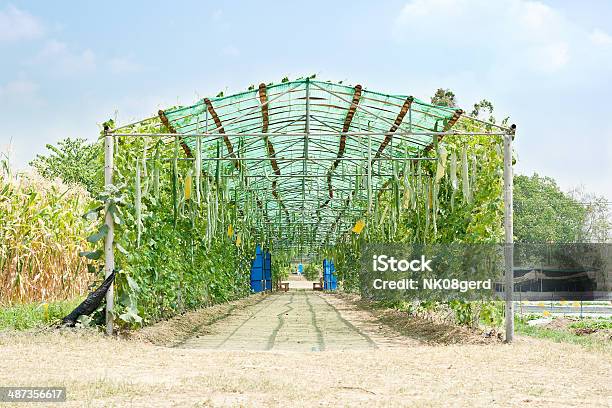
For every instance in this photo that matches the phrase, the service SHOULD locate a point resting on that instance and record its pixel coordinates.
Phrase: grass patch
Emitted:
(560, 335)
(35, 315)
(597, 324)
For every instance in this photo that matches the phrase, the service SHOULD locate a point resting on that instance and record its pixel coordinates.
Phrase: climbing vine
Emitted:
(180, 240)
(457, 198)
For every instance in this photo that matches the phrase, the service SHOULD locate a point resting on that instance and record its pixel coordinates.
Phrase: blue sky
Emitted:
(68, 66)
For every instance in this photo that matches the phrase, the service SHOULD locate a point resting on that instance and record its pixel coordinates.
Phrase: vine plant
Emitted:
(180, 241)
(457, 198)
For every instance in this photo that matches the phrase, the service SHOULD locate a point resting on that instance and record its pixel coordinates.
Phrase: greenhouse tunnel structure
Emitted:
(302, 166)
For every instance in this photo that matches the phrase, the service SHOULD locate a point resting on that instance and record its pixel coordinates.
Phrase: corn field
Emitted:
(41, 234)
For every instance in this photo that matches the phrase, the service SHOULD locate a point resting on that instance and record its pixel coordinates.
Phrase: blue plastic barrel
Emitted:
(257, 272)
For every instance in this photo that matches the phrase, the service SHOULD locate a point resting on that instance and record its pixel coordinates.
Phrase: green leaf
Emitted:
(93, 255)
(132, 284)
(115, 212)
(93, 214)
(121, 249)
(131, 315)
(102, 231)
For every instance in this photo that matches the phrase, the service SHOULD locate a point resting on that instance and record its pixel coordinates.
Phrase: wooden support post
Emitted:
(508, 230)
(109, 256)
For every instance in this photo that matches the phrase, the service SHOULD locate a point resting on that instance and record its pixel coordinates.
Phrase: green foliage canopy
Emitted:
(72, 160)
(544, 213)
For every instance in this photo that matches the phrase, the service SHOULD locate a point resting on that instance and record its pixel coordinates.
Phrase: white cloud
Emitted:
(535, 15)
(531, 33)
(431, 8)
(19, 87)
(550, 57)
(65, 61)
(19, 92)
(18, 25)
(123, 65)
(600, 37)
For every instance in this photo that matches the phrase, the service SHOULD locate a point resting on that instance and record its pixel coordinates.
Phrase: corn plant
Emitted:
(41, 234)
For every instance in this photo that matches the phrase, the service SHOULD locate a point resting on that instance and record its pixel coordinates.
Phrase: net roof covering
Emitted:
(305, 145)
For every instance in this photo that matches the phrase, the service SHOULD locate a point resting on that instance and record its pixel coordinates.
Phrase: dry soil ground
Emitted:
(300, 348)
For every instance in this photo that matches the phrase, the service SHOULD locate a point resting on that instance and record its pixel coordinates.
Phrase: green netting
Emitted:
(321, 192)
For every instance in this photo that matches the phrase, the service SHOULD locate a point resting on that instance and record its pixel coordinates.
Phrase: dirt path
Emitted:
(303, 349)
(293, 321)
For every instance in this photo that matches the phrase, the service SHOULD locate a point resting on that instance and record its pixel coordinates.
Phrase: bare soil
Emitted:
(364, 362)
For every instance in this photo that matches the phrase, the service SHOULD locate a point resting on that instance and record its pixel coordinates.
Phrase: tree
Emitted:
(598, 219)
(544, 213)
(444, 97)
(72, 160)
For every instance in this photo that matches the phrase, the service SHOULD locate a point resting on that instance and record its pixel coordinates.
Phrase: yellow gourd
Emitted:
(188, 182)
(358, 226)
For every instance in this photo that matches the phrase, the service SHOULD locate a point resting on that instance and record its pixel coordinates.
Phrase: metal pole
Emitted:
(369, 180)
(397, 133)
(508, 229)
(306, 156)
(306, 134)
(109, 256)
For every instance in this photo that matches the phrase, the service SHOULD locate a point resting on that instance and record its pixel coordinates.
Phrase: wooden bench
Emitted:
(317, 286)
(284, 286)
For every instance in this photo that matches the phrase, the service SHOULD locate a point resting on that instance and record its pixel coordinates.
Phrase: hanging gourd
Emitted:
(473, 178)
(426, 189)
(465, 179)
(188, 184)
(396, 201)
(230, 230)
(137, 204)
(156, 171)
(407, 190)
(453, 170)
(145, 188)
(384, 208)
(498, 150)
(175, 199)
(198, 167)
(441, 167)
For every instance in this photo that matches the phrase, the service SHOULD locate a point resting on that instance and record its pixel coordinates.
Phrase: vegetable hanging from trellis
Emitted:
(137, 203)
(465, 179)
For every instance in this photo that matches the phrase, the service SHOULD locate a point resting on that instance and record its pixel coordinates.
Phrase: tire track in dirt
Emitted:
(320, 338)
(296, 321)
(258, 311)
(281, 322)
(349, 324)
